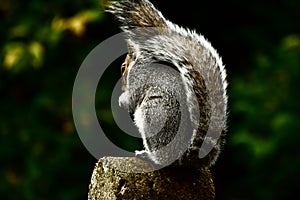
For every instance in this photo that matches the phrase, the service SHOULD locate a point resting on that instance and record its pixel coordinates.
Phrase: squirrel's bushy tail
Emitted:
(136, 13)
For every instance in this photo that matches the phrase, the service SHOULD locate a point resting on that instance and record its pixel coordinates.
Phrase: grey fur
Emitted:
(179, 107)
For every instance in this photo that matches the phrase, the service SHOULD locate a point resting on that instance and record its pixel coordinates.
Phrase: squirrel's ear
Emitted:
(135, 13)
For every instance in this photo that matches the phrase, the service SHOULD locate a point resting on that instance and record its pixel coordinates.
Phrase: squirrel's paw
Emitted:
(143, 155)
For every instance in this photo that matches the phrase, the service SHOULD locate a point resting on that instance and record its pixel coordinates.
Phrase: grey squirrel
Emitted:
(174, 87)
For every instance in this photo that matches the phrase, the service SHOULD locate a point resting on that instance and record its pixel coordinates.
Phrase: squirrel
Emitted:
(173, 85)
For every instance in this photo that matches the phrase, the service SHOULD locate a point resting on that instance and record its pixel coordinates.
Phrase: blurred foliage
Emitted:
(43, 44)
(264, 124)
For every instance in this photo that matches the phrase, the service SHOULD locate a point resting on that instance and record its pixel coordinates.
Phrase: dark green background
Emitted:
(44, 42)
